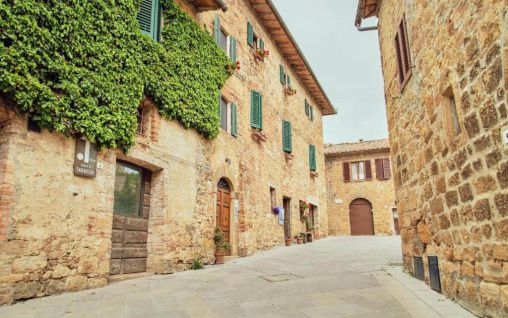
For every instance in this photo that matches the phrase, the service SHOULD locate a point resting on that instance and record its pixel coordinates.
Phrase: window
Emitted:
(141, 129)
(228, 116)
(357, 171)
(33, 126)
(256, 110)
(312, 158)
(383, 171)
(149, 18)
(253, 39)
(287, 143)
(285, 79)
(403, 54)
(273, 197)
(309, 110)
(225, 41)
(129, 189)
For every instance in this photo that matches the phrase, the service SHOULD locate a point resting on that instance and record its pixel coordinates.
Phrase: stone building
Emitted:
(361, 197)
(155, 208)
(445, 68)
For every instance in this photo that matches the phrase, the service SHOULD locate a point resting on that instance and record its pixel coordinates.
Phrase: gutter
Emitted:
(358, 20)
(307, 65)
(222, 5)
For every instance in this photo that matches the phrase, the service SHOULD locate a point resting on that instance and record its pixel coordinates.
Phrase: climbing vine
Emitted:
(81, 67)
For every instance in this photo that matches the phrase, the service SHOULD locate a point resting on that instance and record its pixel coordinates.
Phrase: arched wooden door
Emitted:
(360, 217)
(223, 209)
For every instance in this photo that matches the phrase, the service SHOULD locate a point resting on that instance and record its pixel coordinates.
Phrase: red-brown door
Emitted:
(360, 217)
(223, 210)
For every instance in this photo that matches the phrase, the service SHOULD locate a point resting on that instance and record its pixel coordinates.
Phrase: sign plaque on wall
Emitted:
(85, 158)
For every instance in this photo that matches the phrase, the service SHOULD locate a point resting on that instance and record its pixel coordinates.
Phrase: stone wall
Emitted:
(380, 193)
(452, 191)
(55, 228)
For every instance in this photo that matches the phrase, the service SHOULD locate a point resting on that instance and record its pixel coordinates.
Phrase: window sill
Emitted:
(258, 135)
(289, 91)
(289, 156)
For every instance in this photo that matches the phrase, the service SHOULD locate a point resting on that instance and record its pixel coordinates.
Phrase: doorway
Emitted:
(223, 210)
(286, 204)
(130, 219)
(396, 221)
(360, 217)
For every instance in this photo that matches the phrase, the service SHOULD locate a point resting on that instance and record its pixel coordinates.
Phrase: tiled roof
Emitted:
(357, 147)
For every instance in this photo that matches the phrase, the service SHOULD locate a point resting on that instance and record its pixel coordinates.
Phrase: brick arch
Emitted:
(226, 173)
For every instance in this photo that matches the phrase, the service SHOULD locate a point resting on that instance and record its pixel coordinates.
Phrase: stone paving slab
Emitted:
(335, 277)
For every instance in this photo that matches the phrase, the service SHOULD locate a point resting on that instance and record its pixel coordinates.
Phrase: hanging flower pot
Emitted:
(261, 54)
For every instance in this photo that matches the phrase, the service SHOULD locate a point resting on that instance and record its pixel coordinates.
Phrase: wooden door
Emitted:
(286, 203)
(360, 217)
(223, 210)
(130, 220)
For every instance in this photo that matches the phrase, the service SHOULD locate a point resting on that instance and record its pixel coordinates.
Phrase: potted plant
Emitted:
(233, 67)
(221, 246)
(290, 91)
(288, 240)
(304, 237)
(260, 54)
(299, 239)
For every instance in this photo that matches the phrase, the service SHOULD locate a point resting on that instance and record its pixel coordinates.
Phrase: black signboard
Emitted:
(85, 158)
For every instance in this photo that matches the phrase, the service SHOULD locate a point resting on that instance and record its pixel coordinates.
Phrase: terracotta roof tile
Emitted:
(349, 147)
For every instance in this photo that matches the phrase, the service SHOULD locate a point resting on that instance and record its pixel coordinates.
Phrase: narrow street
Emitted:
(334, 277)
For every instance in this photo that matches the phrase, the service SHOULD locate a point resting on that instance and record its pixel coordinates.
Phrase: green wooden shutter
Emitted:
(287, 143)
(311, 113)
(256, 110)
(312, 157)
(288, 81)
(234, 121)
(232, 49)
(216, 29)
(261, 43)
(307, 108)
(282, 74)
(250, 34)
(148, 18)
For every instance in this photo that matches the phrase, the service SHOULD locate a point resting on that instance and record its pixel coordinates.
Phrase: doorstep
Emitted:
(122, 277)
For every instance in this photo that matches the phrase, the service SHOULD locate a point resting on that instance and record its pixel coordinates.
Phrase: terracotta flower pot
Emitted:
(219, 258)
(288, 241)
(299, 240)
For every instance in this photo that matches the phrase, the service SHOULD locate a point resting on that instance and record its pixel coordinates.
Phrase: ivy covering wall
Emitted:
(81, 67)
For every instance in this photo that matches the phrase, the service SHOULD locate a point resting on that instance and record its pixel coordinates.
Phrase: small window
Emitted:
(141, 130)
(149, 18)
(451, 113)
(312, 158)
(129, 189)
(223, 41)
(228, 116)
(357, 171)
(402, 53)
(33, 126)
(273, 197)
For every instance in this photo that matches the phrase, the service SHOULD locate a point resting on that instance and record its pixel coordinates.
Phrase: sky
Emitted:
(346, 63)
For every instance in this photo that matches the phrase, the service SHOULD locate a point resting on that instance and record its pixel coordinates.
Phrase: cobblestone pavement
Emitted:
(334, 277)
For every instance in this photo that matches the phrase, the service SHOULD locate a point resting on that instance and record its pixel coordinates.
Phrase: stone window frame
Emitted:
(452, 118)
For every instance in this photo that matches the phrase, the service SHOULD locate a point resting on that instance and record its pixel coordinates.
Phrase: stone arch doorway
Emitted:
(360, 217)
(223, 214)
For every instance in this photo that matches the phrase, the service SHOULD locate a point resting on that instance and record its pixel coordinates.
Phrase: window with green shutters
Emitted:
(307, 108)
(216, 29)
(250, 34)
(256, 110)
(232, 49)
(312, 157)
(149, 17)
(282, 75)
(234, 120)
(287, 142)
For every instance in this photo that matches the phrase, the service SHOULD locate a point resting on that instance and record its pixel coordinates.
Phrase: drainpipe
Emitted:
(361, 29)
